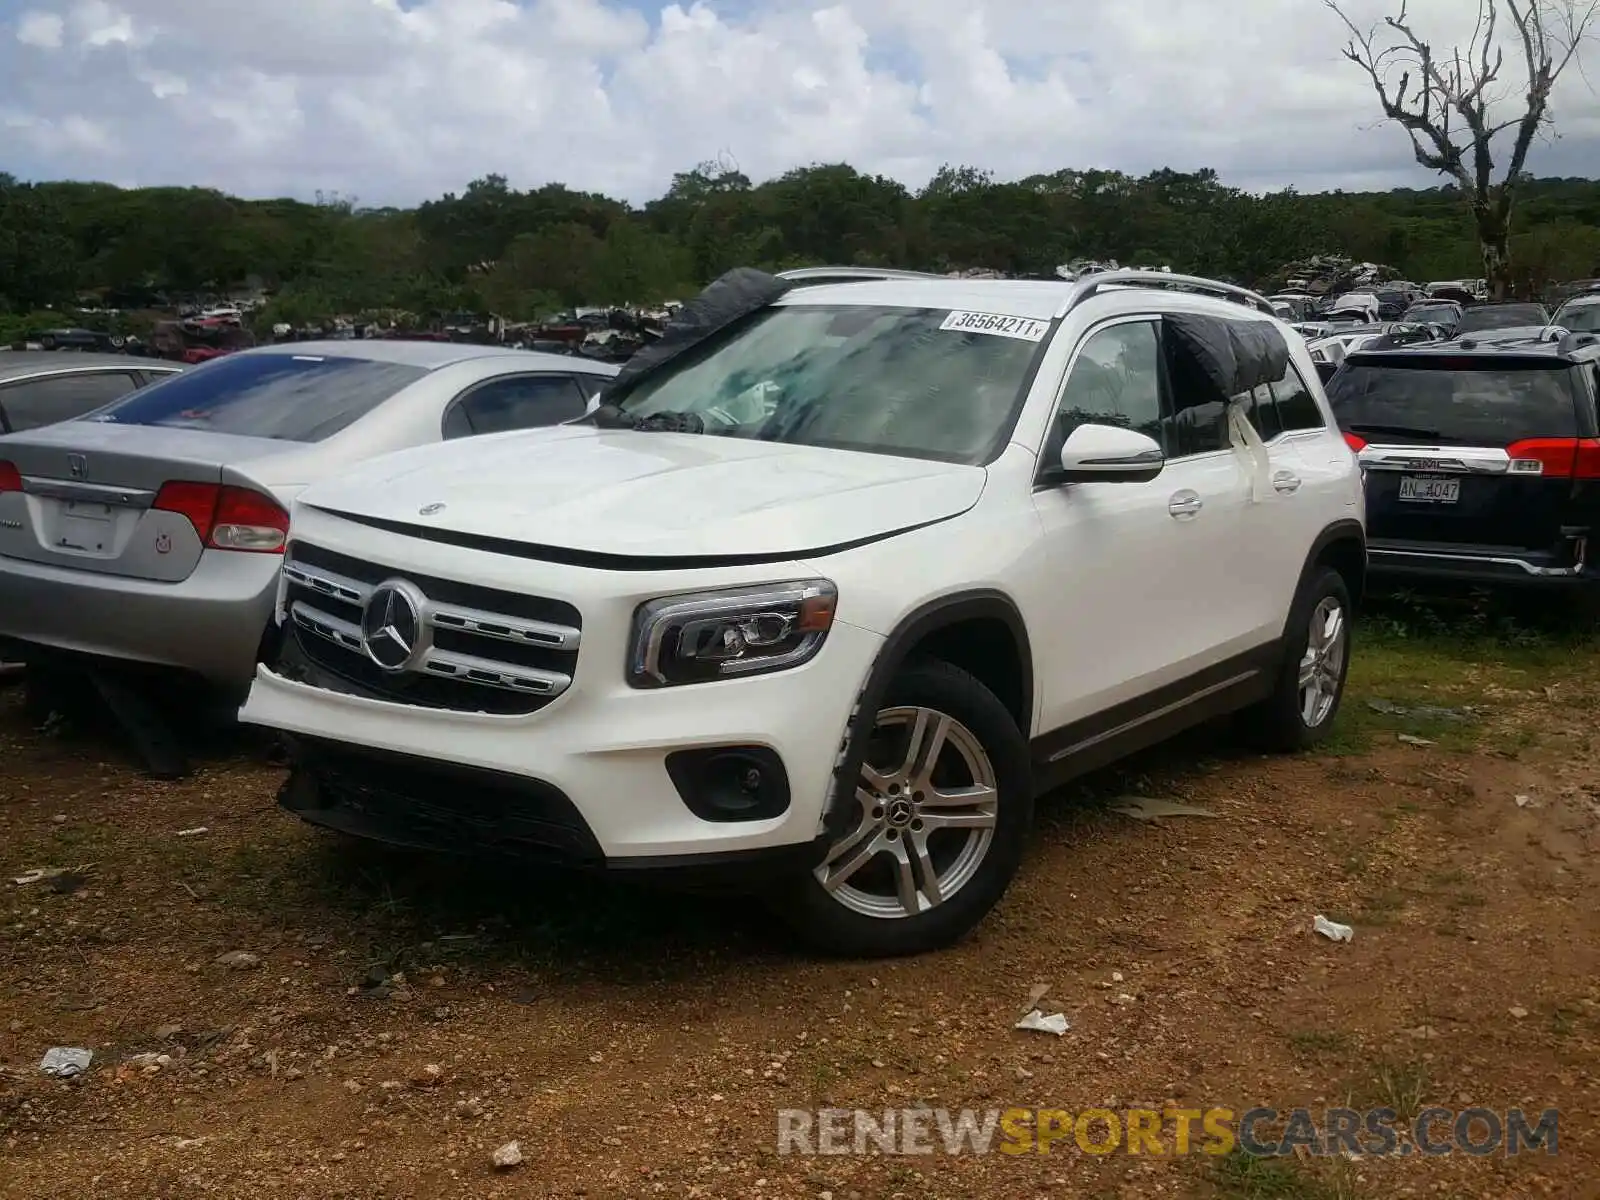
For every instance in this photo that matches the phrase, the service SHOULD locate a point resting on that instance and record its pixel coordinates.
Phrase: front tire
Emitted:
(1301, 711)
(937, 823)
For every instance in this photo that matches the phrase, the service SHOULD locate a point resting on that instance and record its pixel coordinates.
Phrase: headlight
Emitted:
(727, 634)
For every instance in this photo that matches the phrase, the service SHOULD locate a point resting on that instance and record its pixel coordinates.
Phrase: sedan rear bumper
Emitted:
(210, 625)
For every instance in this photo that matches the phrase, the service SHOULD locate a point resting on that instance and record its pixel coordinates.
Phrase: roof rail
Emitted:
(1573, 342)
(804, 275)
(1089, 286)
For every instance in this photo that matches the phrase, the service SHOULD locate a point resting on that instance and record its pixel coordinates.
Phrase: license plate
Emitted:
(81, 510)
(85, 527)
(1430, 489)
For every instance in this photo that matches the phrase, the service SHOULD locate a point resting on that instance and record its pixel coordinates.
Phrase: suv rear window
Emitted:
(1479, 401)
(1503, 316)
(290, 397)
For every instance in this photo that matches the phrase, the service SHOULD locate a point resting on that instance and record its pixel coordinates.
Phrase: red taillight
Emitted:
(1556, 458)
(1355, 443)
(10, 477)
(227, 517)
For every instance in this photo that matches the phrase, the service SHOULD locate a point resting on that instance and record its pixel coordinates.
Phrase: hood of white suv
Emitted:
(626, 493)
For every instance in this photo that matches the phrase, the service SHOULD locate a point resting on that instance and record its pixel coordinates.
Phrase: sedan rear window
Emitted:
(289, 397)
(1478, 402)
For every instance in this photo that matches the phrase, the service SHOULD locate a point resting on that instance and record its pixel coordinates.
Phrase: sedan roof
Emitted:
(20, 364)
(429, 356)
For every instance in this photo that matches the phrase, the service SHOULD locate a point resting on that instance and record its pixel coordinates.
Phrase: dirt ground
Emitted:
(395, 1019)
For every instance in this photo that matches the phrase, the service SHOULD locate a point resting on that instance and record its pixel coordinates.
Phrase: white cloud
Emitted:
(399, 100)
(41, 29)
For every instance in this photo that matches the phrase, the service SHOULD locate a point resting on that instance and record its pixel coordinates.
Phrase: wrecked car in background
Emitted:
(141, 543)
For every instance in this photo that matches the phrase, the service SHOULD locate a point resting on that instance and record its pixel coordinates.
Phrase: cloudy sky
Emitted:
(393, 101)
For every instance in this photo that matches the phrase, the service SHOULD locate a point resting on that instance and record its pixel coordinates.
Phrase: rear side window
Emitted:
(1481, 402)
(59, 398)
(520, 402)
(1297, 408)
(290, 397)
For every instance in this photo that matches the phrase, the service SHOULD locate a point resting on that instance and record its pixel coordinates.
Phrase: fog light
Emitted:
(730, 783)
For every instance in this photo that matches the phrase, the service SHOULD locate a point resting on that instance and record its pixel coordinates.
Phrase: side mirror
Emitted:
(1109, 454)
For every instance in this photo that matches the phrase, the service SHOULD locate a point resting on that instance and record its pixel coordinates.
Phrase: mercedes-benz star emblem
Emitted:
(392, 632)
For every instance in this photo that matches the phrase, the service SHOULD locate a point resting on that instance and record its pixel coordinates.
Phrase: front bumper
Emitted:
(419, 804)
(1488, 566)
(210, 625)
(584, 779)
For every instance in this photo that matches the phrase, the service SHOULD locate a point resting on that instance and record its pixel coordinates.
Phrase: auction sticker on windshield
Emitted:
(1023, 328)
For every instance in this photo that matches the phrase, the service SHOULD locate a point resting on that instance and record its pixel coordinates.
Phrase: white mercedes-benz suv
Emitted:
(839, 577)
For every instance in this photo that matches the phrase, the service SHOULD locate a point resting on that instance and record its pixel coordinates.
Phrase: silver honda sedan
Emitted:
(151, 531)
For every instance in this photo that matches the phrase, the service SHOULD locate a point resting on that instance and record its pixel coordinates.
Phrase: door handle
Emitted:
(1184, 504)
(1286, 482)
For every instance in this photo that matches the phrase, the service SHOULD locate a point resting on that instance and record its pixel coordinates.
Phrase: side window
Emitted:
(1116, 380)
(1297, 409)
(592, 385)
(1264, 413)
(456, 424)
(1199, 423)
(519, 402)
(30, 404)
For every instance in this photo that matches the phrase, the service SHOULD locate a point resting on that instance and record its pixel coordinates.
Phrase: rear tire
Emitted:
(937, 822)
(1310, 686)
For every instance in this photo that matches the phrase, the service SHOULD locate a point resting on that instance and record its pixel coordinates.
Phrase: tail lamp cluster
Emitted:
(224, 516)
(1552, 458)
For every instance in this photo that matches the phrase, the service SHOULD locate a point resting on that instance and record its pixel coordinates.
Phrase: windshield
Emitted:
(1486, 402)
(1579, 318)
(1502, 316)
(919, 382)
(290, 397)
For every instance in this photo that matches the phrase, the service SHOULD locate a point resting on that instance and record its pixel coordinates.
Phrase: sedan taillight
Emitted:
(227, 517)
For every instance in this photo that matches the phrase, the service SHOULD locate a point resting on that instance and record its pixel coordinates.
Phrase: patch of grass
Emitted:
(1401, 1086)
(1318, 1041)
(1241, 1176)
(1419, 658)
(1382, 908)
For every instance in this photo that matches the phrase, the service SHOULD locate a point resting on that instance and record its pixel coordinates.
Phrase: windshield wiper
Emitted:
(1397, 430)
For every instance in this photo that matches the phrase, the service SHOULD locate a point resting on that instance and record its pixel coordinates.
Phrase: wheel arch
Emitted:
(1342, 546)
(961, 628)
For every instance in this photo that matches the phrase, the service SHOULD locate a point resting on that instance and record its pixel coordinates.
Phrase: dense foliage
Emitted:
(523, 254)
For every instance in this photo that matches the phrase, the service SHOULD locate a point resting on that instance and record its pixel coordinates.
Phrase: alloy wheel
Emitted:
(926, 805)
(1322, 665)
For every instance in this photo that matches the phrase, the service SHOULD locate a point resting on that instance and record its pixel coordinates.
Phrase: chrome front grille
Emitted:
(437, 643)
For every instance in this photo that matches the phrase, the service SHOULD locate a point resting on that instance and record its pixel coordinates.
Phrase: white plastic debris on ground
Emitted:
(1332, 930)
(1036, 1021)
(63, 1062)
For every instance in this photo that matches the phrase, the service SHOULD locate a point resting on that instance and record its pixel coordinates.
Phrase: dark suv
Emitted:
(1481, 462)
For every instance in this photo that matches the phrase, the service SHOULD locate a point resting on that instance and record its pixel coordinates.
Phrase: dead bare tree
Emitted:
(1454, 104)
